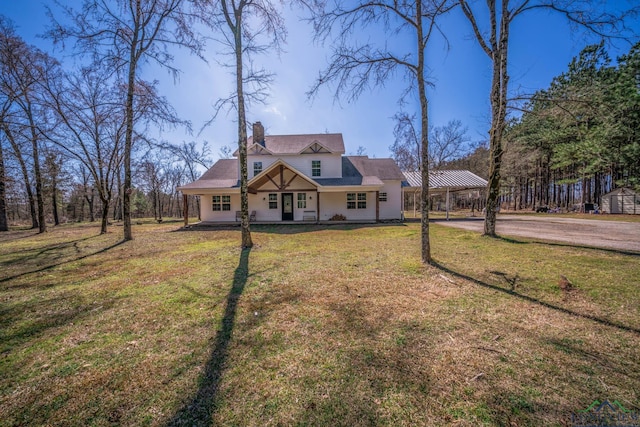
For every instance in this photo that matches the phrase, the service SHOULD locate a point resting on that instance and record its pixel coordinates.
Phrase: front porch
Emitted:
(283, 195)
(293, 226)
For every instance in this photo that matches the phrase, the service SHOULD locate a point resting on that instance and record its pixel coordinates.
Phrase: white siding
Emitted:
(331, 164)
(260, 203)
(617, 203)
(311, 199)
(266, 162)
(207, 213)
(336, 203)
(392, 208)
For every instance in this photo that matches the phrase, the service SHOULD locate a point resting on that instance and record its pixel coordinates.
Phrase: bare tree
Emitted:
(124, 34)
(192, 158)
(4, 222)
(20, 158)
(406, 147)
(493, 39)
(248, 27)
(225, 152)
(354, 67)
(54, 177)
(447, 143)
(88, 192)
(90, 128)
(24, 68)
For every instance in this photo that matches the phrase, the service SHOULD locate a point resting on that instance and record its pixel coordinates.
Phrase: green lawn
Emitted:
(316, 325)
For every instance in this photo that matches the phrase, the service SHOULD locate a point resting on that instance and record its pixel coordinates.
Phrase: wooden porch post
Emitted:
(377, 206)
(185, 208)
(318, 205)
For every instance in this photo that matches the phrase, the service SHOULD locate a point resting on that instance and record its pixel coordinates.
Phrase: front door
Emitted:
(287, 206)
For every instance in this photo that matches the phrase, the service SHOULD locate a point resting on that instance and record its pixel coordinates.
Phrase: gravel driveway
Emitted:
(617, 235)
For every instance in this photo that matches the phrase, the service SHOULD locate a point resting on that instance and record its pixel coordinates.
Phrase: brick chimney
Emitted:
(258, 133)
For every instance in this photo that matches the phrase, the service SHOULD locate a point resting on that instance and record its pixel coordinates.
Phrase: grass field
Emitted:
(316, 325)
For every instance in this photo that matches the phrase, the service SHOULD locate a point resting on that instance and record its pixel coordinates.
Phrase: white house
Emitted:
(301, 178)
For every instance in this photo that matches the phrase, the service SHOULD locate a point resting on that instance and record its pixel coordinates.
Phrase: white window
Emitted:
(382, 197)
(356, 200)
(362, 200)
(221, 203)
(316, 169)
(257, 168)
(273, 201)
(302, 200)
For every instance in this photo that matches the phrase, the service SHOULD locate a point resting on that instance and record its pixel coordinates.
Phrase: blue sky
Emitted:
(542, 45)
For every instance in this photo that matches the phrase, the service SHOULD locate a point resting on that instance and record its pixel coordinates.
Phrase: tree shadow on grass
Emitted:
(48, 253)
(567, 245)
(289, 228)
(52, 266)
(545, 304)
(199, 410)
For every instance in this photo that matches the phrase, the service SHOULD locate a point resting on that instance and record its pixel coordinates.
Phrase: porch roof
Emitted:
(222, 175)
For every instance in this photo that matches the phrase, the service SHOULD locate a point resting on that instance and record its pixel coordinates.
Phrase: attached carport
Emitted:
(443, 182)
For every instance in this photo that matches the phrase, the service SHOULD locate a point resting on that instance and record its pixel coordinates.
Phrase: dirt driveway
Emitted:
(619, 235)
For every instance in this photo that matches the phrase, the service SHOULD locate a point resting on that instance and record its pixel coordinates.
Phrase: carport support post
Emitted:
(185, 208)
(447, 203)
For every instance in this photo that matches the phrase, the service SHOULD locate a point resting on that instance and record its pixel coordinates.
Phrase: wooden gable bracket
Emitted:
(295, 175)
(281, 177)
(274, 183)
(282, 185)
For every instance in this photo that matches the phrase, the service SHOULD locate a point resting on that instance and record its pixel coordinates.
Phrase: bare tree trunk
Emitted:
(424, 154)
(105, 216)
(128, 143)
(54, 201)
(90, 200)
(500, 79)
(42, 225)
(237, 30)
(25, 176)
(4, 222)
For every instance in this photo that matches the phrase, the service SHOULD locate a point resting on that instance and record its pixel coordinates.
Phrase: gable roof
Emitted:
(265, 176)
(623, 191)
(356, 171)
(223, 174)
(457, 179)
(296, 144)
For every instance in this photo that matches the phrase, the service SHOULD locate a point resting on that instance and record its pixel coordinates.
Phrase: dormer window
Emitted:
(257, 168)
(315, 168)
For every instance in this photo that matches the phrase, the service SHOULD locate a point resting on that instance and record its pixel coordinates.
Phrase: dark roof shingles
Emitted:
(223, 174)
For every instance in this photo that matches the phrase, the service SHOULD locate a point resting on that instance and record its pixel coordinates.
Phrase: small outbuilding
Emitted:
(621, 201)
